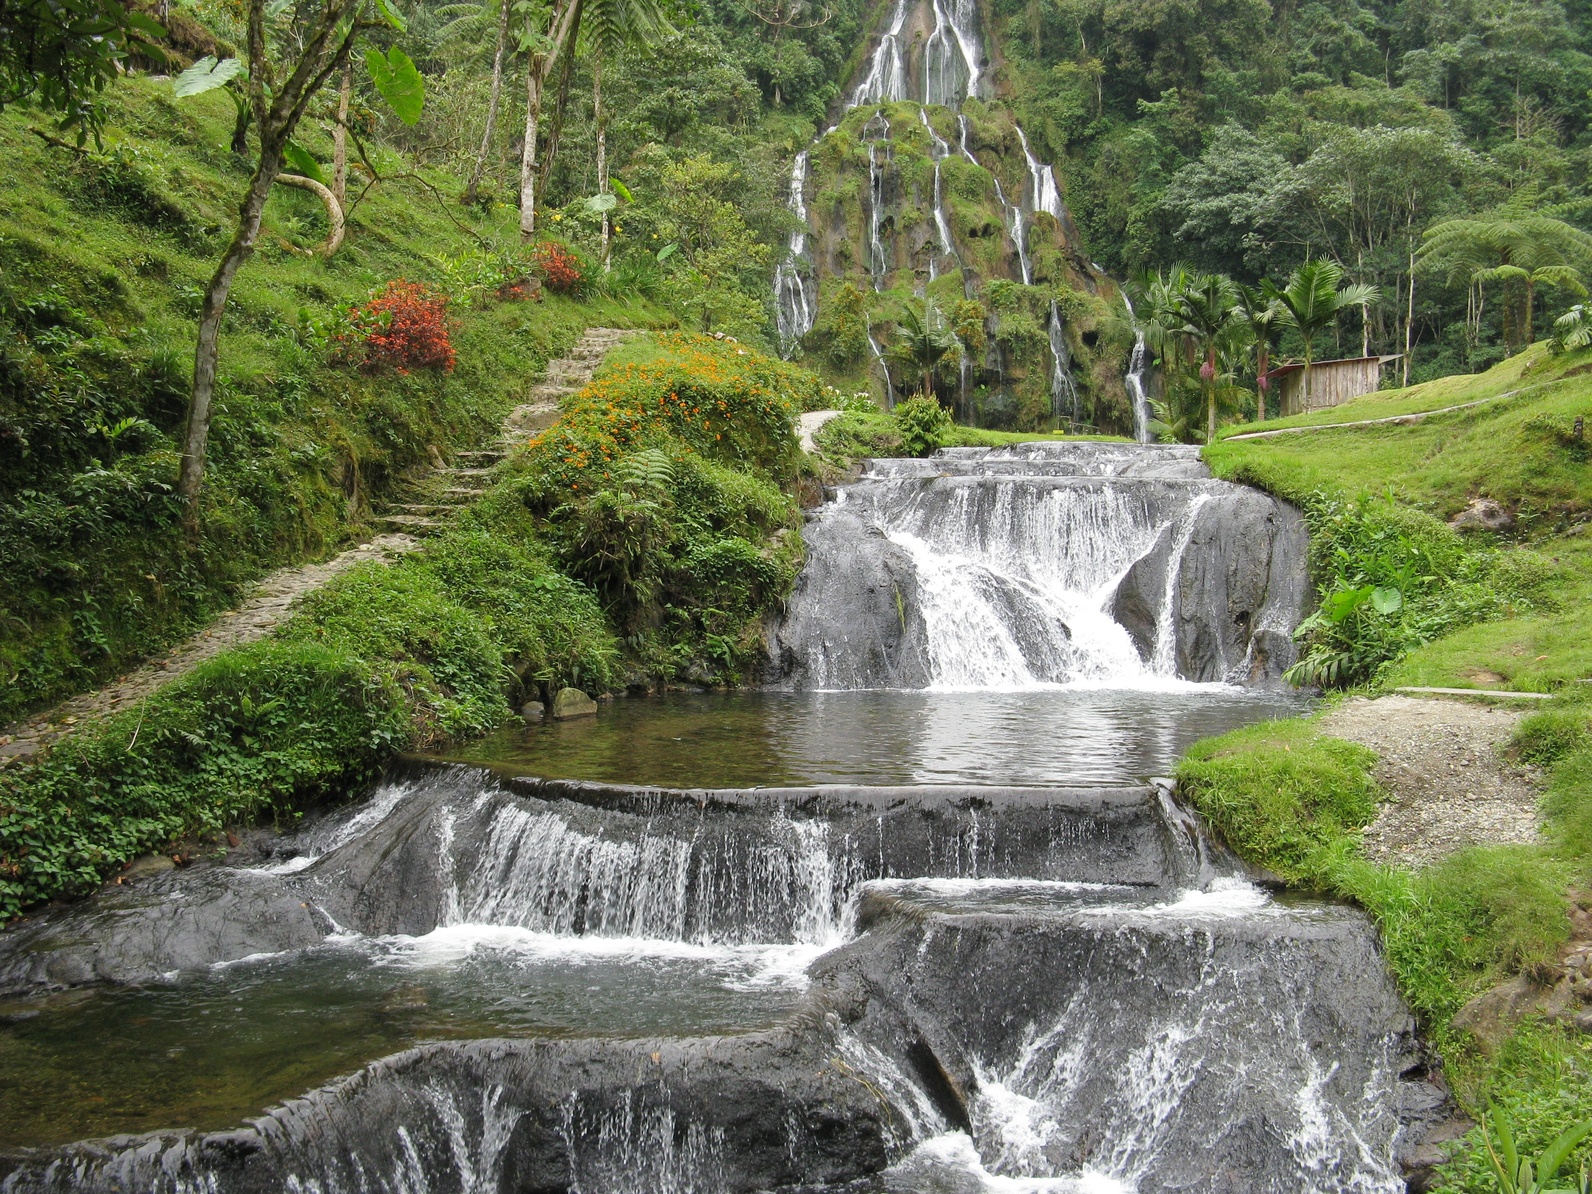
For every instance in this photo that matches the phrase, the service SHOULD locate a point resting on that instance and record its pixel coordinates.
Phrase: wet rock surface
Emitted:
(1044, 563)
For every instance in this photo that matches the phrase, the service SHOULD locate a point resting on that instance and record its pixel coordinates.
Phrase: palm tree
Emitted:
(1512, 244)
(1259, 313)
(1207, 310)
(1312, 301)
(923, 344)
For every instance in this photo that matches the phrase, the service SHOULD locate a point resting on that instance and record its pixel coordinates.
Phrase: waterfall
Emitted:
(878, 356)
(951, 55)
(877, 130)
(939, 150)
(886, 79)
(1063, 389)
(1134, 380)
(1042, 178)
(1030, 567)
(792, 295)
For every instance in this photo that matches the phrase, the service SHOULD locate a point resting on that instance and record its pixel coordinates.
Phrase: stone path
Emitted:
(432, 502)
(1442, 762)
(1412, 417)
(809, 425)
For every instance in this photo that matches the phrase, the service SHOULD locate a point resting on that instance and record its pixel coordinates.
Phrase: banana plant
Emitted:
(1532, 1175)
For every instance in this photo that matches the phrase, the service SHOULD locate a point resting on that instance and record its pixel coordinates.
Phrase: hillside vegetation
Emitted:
(102, 258)
(1510, 610)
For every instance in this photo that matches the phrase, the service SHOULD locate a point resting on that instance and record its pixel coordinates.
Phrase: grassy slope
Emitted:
(302, 446)
(1292, 799)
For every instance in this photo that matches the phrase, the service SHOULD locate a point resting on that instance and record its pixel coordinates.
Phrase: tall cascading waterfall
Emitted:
(1063, 388)
(793, 293)
(1040, 565)
(939, 150)
(951, 70)
(877, 134)
(1135, 381)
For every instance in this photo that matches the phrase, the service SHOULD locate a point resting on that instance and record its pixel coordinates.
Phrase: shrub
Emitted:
(404, 328)
(559, 268)
(272, 727)
(923, 423)
(1392, 579)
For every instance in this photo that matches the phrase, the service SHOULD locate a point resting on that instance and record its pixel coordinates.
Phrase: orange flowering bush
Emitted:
(559, 268)
(706, 396)
(403, 328)
(665, 485)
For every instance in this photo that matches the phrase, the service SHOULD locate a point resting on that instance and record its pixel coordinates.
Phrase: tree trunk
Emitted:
(473, 187)
(340, 149)
(1262, 359)
(533, 113)
(1530, 331)
(207, 351)
(334, 211)
(1409, 321)
(601, 118)
(544, 167)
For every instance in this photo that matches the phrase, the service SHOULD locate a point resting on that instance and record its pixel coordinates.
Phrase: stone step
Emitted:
(465, 472)
(424, 508)
(410, 522)
(491, 455)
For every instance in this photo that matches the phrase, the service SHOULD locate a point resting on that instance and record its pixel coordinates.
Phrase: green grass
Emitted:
(1513, 451)
(102, 259)
(1510, 374)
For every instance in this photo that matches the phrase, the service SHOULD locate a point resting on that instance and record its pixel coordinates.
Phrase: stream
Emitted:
(898, 921)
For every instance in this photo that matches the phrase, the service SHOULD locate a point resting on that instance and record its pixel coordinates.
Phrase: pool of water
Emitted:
(209, 1050)
(1074, 736)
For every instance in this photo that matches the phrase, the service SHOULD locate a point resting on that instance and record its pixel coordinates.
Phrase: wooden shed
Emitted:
(1331, 382)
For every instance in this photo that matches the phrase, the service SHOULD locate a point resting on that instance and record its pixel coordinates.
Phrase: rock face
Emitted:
(1024, 982)
(1044, 563)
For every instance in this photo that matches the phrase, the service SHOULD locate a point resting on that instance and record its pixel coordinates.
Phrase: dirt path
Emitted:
(1412, 417)
(1442, 761)
(435, 499)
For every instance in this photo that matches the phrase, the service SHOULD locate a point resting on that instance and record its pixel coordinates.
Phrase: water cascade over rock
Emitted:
(1044, 564)
(1066, 984)
(922, 223)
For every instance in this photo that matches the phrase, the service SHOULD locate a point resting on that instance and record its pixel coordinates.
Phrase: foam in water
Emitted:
(1135, 378)
(793, 298)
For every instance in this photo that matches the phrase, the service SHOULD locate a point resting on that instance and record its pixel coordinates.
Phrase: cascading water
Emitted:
(1045, 564)
(1063, 389)
(1135, 380)
(877, 133)
(951, 71)
(939, 150)
(793, 298)
(884, 370)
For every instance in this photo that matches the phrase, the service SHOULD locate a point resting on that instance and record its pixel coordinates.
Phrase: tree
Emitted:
(1312, 301)
(718, 277)
(1514, 245)
(923, 344)
(468, 24)
(1207, 309)
(1258, 313)
(63, 53)
(284, 73)
(543, 47)
(612, 25)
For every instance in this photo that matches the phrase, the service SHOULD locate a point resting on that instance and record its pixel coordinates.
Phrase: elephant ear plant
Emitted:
(290, 54)
(1533, 1175)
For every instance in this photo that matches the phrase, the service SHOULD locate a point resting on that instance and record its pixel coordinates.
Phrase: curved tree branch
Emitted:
(334, 210)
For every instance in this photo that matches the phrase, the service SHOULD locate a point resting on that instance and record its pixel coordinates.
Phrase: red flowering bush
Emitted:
(559, 267)
(404, 328)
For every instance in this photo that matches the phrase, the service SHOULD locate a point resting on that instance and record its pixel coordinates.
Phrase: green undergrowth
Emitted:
(1291, 799)
(642, 541)
(103, 259)
(865, 430)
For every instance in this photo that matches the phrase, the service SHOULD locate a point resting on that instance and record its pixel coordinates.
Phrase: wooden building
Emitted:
(1331, 383)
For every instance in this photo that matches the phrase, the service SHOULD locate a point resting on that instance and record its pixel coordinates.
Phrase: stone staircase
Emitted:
(431, 502)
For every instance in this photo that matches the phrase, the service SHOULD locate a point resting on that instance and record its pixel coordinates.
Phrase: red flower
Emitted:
(405, 327)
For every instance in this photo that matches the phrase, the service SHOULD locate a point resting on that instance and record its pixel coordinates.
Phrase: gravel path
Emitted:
(1442, 761)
